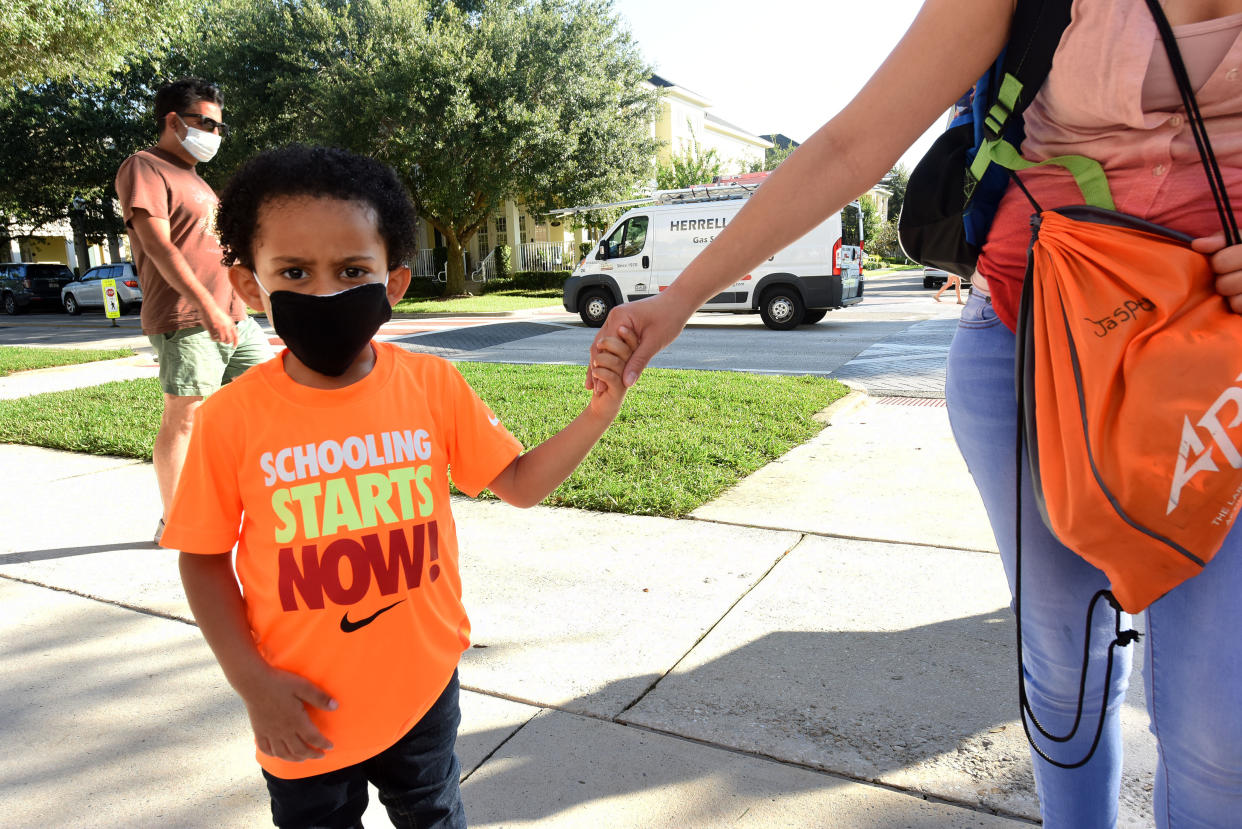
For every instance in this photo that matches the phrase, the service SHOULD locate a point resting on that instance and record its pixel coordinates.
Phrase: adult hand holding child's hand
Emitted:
(654, 322)
(608, 359)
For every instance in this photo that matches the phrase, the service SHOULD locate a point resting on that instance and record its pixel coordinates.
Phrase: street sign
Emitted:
(112, 303)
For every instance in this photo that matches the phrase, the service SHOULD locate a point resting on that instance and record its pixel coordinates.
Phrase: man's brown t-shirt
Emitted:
(166, 187)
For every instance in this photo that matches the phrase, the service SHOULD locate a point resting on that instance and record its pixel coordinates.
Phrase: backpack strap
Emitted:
(1034, 35)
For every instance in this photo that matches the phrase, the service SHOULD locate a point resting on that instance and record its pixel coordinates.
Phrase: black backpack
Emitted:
(952, 195)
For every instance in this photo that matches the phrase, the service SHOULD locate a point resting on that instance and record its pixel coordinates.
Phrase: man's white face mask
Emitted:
(201, 144)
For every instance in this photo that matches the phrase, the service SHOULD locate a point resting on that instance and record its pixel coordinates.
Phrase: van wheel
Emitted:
(594, 306)
(10, 305)
(813, 316)
(781, 308)
(71, 305)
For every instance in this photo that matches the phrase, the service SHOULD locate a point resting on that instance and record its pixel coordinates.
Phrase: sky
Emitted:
(785, 68)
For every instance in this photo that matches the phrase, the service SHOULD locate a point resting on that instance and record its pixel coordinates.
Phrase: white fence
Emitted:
(528, 256)
(425, 264)
(546, 256)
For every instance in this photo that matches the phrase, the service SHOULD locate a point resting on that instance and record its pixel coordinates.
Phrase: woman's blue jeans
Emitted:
(1193, 669)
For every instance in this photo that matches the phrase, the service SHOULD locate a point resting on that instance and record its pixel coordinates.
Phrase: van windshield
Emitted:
(629, 239)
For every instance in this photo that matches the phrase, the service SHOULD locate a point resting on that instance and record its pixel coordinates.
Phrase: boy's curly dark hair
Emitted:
(323, 172)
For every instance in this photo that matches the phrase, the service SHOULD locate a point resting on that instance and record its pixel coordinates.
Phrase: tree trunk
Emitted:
(455, 274)
(81, 250)
(114, 242)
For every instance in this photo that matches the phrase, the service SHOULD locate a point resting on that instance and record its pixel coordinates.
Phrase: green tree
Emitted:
(772, 158)
(896, 180)
(871, 219)
(63, 143)
(540, 101)
(692, 165)
(80, 40)
(885, 243)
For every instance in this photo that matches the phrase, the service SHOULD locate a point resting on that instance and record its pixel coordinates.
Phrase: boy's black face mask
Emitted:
(328, 332)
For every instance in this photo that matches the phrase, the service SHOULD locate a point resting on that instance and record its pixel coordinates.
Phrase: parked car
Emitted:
(934, 278)
(87, 292)
(31, 284)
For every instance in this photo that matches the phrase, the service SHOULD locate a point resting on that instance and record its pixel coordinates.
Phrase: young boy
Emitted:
(328, 468)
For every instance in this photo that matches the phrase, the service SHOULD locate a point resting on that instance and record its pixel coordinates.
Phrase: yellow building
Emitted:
(55, 243)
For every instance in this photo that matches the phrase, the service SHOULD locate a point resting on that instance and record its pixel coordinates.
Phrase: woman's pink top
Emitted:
(1111, 96)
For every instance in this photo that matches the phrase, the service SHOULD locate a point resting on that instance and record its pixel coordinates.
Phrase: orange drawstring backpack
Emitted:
(1131, 392)
(1129, 387)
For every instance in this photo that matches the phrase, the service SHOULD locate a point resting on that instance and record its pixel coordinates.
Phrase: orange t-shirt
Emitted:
(338, 502)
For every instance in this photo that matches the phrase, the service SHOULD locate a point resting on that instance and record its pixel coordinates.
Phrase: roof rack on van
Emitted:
(704, 193)
(729, 187)
(586, 208)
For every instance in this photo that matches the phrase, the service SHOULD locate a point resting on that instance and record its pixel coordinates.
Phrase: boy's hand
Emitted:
(1227, 263)
(608, 359)
(277, 709)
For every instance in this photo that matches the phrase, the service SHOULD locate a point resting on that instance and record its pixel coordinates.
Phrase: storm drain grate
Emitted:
(478, 337)
(936, 402)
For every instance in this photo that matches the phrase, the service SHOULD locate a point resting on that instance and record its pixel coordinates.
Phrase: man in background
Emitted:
(199, 328)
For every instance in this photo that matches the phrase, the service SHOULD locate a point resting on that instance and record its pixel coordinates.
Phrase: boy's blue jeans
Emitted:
(417, 780)
(1193, 670)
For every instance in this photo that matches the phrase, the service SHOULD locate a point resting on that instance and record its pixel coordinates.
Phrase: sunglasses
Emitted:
(208, 124)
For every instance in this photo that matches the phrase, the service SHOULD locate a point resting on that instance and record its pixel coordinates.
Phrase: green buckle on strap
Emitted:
(1006, 99)
(1087, 173)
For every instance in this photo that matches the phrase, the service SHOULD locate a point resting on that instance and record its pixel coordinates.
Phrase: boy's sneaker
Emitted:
(159, 531)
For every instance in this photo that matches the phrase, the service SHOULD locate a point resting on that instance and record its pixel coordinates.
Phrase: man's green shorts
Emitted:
(192, 365)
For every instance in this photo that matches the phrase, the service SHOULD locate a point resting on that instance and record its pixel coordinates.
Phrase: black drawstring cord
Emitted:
(1216, 180)
(1121, 639)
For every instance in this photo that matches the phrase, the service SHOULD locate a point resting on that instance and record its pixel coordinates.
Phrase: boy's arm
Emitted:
(533, 475)
(275, 700)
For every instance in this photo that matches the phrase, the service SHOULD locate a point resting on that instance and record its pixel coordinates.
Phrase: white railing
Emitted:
(546, 256)
(425, 264)
(486, 269)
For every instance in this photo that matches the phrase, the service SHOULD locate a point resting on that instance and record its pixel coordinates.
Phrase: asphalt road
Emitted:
(893, 343)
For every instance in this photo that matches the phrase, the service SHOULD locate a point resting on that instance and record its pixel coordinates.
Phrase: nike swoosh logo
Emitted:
(495, 421)
(349, 627)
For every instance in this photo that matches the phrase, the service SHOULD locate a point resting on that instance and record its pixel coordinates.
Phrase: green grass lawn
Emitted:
(516, 300)
(682, 438)
(24, 358)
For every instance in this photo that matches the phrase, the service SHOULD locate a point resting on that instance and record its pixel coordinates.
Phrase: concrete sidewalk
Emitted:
(826, 645)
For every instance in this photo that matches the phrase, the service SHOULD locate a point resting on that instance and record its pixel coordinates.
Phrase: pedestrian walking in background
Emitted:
(197, 325)
(956, 282)
(1111, 96)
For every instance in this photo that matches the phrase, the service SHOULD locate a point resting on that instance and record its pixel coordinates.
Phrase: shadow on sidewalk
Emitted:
(28, 556)
(929, 710)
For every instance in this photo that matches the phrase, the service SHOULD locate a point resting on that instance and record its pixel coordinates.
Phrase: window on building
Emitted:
(485, 246)
(522, 235)
(502, 230)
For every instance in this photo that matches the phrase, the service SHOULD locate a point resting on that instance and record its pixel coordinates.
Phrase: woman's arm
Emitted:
(946, 49)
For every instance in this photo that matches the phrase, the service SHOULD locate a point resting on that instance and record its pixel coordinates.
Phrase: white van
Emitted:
(649, 247)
